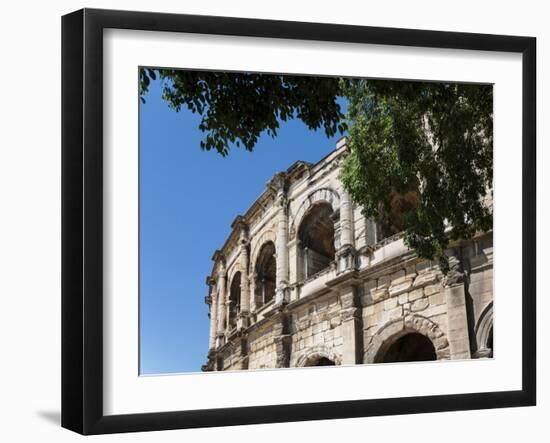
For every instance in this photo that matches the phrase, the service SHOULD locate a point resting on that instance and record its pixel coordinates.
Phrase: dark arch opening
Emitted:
(316, 236)
(410, 347)
(266, 268)
(393, 218)
(321, 361)
(234, 299)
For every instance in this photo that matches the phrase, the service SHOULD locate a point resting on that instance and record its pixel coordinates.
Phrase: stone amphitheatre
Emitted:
(305, 280)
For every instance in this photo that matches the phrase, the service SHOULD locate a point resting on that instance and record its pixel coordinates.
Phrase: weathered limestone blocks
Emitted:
(339, 323)
(420, 304)
(400, 283)
(318, 323)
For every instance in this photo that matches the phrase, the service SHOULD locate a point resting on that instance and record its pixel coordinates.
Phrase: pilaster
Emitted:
(351, 327)
(278, 184)
(457, 317)
(222, 314)
(345, 255)
(242, 319)
(283, 341)
(212, 301)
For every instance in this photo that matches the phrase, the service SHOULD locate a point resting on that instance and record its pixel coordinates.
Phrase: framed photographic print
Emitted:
(269, 221)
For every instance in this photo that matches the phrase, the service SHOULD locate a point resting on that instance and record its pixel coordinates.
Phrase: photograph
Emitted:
(288, 220)
(237, 222)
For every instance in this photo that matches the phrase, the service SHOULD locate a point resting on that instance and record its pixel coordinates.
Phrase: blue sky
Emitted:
(188, 199)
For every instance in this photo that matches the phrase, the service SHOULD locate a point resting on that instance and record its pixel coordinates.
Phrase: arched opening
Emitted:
(266, 268)
(234, 300)
(393, 218)
(324, 361)
(316, 240)
(320, 361)
(409, 347)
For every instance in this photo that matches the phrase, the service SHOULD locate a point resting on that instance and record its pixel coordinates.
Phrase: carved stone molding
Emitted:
(327, 195)
(455, 276)
(266, 236)
(278, 183)
(350, 314)
(345, 258)
(316, 352)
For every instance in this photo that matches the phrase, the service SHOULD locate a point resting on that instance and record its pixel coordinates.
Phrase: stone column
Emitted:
(346, 251)
(245, 293)
(227, 308)
(457, 318)
(292, 260)
(252, 289)
(351, 327)
(282, 248)
(213, 312)
(221, 304)
(346, 220)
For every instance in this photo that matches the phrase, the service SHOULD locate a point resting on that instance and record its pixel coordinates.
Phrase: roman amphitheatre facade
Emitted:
(305, 280)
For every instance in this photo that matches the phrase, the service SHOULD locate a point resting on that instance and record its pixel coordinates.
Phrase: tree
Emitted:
(427, 147)
(421, 153)
(237, 107)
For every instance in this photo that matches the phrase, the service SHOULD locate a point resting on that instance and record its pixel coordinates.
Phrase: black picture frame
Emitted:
(82, 218)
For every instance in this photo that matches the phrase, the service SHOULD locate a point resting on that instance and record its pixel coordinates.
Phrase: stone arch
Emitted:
(412, 346)
(266, 236)
(327, 195)
(484, 331)
(232, 270)
(234, 298)
(316, 353)
(315, 241)
(394, 330)
(265, 274)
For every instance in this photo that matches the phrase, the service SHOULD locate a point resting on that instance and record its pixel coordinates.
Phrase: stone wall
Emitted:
(262, 348)
(316, 331)
(411, 299)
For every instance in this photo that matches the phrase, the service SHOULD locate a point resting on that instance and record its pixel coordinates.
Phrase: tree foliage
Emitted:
(237, 107)
(421, 153)
(427, 147)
